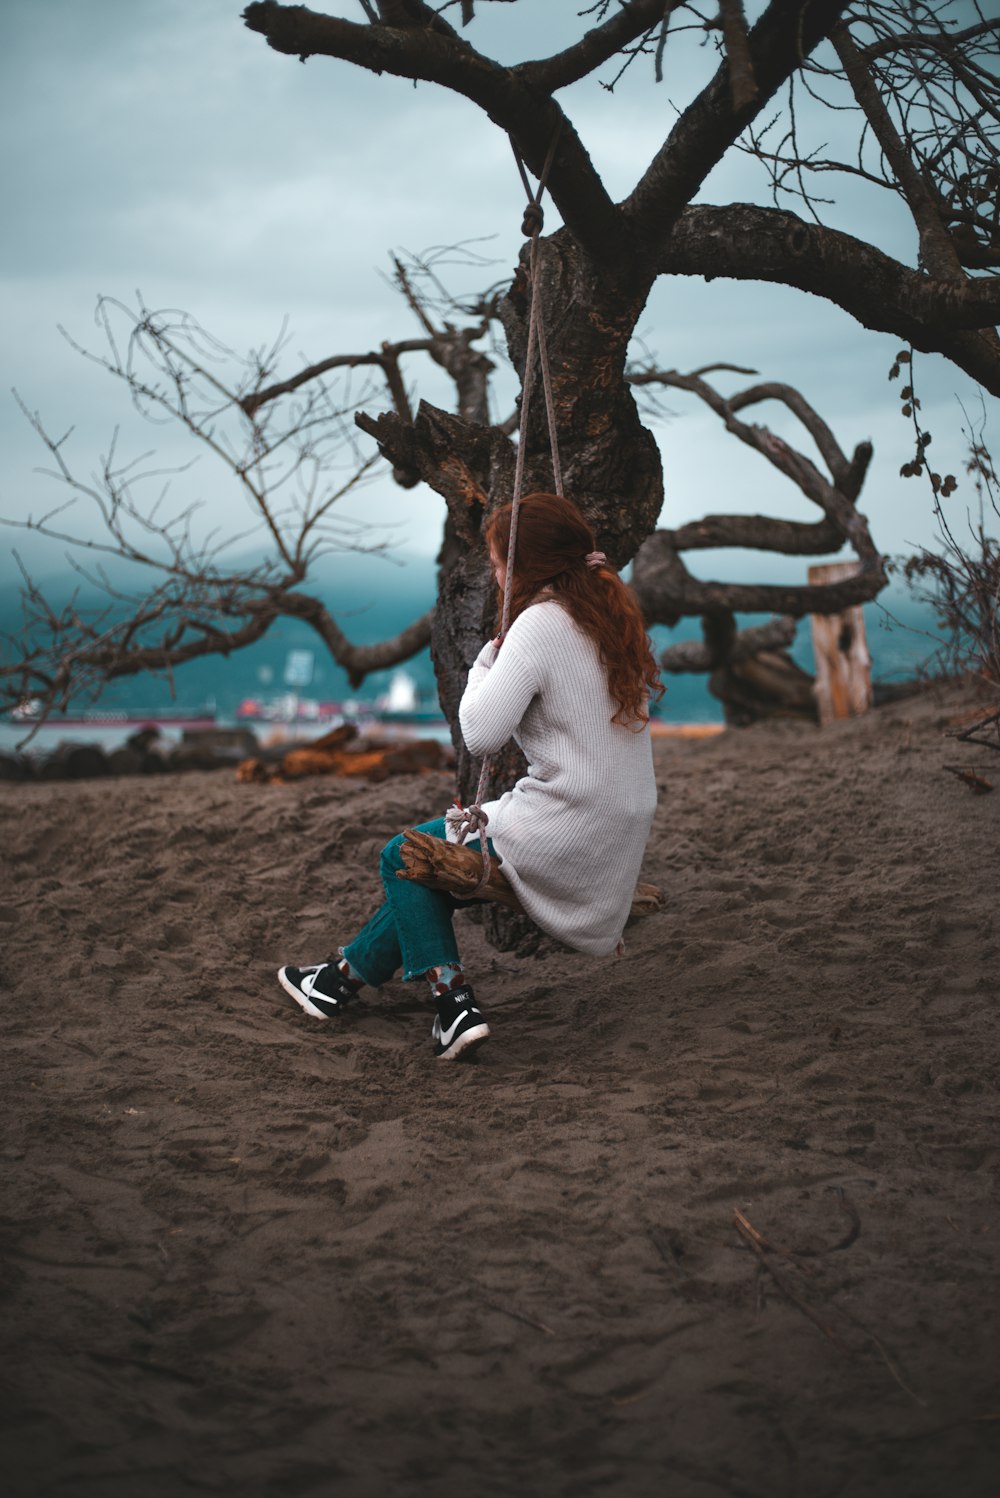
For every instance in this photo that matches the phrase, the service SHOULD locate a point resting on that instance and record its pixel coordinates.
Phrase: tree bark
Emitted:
(611, 464)
(750, 243)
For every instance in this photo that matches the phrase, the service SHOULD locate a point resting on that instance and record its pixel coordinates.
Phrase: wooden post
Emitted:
(843, 666)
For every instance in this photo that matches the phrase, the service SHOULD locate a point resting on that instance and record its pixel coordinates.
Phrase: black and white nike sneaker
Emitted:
(321, 990)
(460, 1027)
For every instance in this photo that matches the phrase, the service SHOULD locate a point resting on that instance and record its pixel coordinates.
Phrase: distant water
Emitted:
(291, 659)
(52, 735)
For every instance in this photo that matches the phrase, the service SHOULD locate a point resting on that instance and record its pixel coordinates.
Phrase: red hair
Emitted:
(553, 541)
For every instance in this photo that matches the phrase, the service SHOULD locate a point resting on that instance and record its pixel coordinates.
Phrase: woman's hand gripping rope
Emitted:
(459, 822)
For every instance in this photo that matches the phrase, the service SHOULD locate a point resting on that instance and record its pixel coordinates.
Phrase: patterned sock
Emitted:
(353, 977)
(444, 978)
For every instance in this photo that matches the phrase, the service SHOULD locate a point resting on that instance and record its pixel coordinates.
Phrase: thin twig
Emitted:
(539, 1326)
(976, 783)
(966, 735)
(145, 1364)
(887, 1360)
(756, 1241)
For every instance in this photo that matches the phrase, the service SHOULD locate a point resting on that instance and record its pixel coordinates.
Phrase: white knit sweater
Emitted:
(572, 831)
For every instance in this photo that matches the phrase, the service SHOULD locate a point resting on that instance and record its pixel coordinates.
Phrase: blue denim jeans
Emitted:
(413, 930)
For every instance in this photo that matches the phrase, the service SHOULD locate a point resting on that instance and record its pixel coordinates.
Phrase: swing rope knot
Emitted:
(533, 220)
(460, 821)
(474, 819)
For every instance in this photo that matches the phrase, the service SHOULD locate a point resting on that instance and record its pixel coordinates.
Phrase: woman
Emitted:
(570, 682)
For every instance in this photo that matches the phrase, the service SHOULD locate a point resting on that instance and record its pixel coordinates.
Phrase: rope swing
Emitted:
(456, 867)
(473, 818)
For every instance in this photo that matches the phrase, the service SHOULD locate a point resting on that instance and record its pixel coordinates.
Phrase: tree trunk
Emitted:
(767, 685)
(611, 469)
(611, 463)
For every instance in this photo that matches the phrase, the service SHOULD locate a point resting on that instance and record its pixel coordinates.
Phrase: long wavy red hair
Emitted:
(553, 542)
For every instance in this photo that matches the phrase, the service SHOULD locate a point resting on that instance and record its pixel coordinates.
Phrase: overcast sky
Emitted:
(158, 145)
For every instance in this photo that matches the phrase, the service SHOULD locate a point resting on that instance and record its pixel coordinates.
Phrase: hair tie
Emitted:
(596, 559)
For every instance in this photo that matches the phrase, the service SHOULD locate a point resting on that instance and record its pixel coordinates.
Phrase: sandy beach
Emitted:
(719, 1218)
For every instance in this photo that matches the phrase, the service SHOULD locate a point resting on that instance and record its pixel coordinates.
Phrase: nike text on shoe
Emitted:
(321, 990)
(459, 1027)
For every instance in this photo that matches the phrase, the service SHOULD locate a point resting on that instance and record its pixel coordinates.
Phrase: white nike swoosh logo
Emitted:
(447, 1036)
(309, 988)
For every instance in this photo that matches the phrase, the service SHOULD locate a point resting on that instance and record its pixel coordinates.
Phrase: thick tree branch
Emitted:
(749, 243)
(742, 83)
(697, 655)
(635, 18)
(462, 461)
(936, 249)
(528, 114)
(667, 590)
(390, 353)
(71, 655)
(758, 533)
(810, 418)
(832, 497)
(830, 448)
(358, 660)
(781, 40)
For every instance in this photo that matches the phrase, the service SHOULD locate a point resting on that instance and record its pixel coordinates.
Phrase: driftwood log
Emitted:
(343, 752)
(457, 870)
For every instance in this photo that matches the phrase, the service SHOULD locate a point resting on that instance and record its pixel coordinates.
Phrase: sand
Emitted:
(248, 1252)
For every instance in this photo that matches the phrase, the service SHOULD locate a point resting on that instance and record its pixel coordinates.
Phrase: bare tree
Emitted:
(668, 592)
(598, 269)
(293, 450)
(924, 92)
(294, 456)
(961, 579)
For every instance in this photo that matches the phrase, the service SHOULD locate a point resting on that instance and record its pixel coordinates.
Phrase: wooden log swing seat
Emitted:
(455, 867)
(458, 870)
